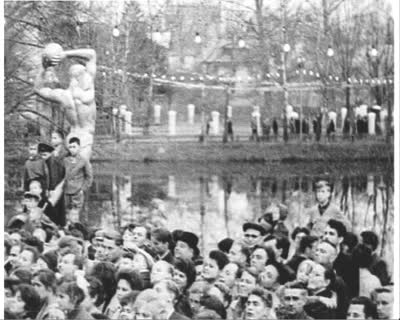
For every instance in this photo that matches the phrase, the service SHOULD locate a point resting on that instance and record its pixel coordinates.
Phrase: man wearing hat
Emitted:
(319, 215)
(35, 168)
(253, 234)
(56, 174)
(186, 245)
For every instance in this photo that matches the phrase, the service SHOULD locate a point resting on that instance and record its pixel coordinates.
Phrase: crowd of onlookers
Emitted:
(58, 268)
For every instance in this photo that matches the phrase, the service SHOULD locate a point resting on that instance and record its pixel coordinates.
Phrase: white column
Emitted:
(256, 114)
(229, 112)
(190, 110)
(371, 123)
(115, 113)
(332, 115)
(215, 122)
(172, 122)
(122, 111)
(370, 185)
(384, 115)
(171, 187)
(157, 114)
(343, 114)
(128, 122)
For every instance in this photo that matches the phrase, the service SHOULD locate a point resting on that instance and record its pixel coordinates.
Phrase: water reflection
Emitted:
(215, 203)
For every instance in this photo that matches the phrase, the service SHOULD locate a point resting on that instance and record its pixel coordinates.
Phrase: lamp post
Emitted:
(115, 35)
(285, 51)
(329, 53)
(300, 65)
(198, 40)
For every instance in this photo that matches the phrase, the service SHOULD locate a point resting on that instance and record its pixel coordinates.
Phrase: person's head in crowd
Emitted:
(213, 265)
(239, 253)
(74, 146)
(69, 263)
(69, 297)
(370, 239)
(198, 264)
(161, 270)
(22, 274)
(10, 286)
(25, 304)
(145, 296)
(361, 308)
(350, 241)
(78, 230)
(125, 261)
(168, 293)
(383, 299)
(44, 282)
(40, 234)
(15, 250)
(308, 246)
(184, 273)
(34, 242)
(105, 272)
(230, 274)
(28, 257)
(271, 276)
(280, 246)
(45, 150)
(36, 188)
(258, 305)
(186, 245)
(128, 281)
(196, 291)
(260, 256)
(127, 303)
(247, 282)
(334, 232)
(57, 138)
(298, 234)
(211, 302)
(222, 292)
(111, 242)
(161, 239)
(267, 221)
(95, 291)
(294, 297)
(135, 235)
(304, 271)
(326, 253)
(362, 256)
(225, 245)
(321, 278)
(32, 149)
(47, 260)
(31, 201)
(69, 243)
(54, 313)
(323, 192)
(151, 310)
(15, 237)
(253, 234)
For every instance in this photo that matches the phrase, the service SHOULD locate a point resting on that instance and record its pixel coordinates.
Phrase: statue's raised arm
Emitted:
(87, 54)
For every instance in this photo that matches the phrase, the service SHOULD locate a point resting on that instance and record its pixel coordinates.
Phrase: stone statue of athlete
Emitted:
(78, 100)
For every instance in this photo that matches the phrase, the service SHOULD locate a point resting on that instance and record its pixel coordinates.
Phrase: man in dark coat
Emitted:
(56, 170)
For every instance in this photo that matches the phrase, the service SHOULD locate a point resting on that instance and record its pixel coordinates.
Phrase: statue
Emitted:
(78, 100)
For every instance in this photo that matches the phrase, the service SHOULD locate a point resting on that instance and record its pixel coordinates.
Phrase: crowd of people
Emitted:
(60, 268)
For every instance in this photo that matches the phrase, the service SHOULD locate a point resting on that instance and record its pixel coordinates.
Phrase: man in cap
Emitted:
(253, 234)
(186, 245)
(320, 214)
(35, 167)
(56, 171)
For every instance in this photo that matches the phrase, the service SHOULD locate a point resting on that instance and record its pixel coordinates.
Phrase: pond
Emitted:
(214, 199)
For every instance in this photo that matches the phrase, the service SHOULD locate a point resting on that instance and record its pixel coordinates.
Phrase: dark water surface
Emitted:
(214, 199)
